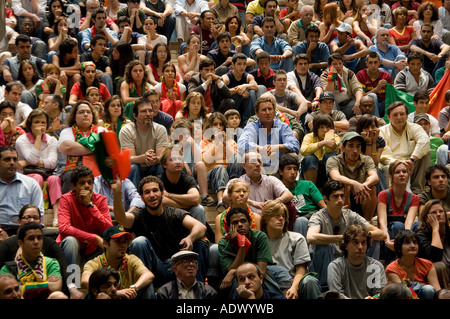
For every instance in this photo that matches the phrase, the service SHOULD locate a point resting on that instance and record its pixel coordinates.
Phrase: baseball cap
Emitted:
(351, 135)
(183, 254)
(421, 116)
(116, 232)
(326, 95)
(345, 27)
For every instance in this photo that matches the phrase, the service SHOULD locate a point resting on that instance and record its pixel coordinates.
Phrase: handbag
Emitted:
(44, 172)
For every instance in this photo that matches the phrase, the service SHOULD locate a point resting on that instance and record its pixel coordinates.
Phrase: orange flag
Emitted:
(437, 97)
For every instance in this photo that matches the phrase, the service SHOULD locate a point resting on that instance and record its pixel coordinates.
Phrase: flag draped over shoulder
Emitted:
(437, 97)
(394, 95)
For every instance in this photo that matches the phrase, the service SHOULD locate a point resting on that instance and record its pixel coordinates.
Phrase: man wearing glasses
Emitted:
(326, 227)
(185, 286)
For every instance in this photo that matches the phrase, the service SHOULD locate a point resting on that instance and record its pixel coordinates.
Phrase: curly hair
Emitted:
(129, 68)
(71, 117)
(423, 6)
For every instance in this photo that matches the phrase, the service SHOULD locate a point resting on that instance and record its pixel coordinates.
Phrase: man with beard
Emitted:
(161, 231)
(135, 279)
(358, 173)
(145, 140)
(185, 286)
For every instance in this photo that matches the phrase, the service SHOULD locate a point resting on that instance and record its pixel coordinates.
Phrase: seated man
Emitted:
(407, 142)
(392, 58)
(352, 49)
(159, 116)
(327, 226)
(217, 95)
(243, 244)
(206, 30)
(99, 27)
(358, 173)
(421, 102)
(356, 275)
(326, 106)
(344, 85)
(242, 86)
(437, 177)
(136, 15)
(44, 278)
(307, 197)
(270, 10)
(254, 8)
(290, 254)
(135, 279)
(9, 287)
(13, 93)
(16, 191)
(373, 81)
(280, 51)
(316, 51)
(367, 106)
(305, 83)
(296, 31)
(414, 78)
(434, 51)
(263, 188)
(187, 13)
(145, 139)
(278, 139)
(250, 280)
(180, 188)
(185, 286)
(160, 230)
(263, 74)
(287, 100)
(83, 217)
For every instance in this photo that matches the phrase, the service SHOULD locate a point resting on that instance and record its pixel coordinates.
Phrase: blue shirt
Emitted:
(350, 64)
(281, 133)
(277, 47)
(130, 195)
(86, 36)
(391, 54)
(21, 191)
(318, 55)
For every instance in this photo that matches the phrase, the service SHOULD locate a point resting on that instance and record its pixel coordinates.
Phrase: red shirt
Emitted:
(76, 89)
(369, 84)
(397, 211)
(81, 222)
(402, 38)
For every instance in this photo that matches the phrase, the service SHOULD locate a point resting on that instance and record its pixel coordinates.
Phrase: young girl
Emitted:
(151, 37)
(51, 84)
(68, 60)
(56, 10)
(159, 57)
(317, 147)
(182, 133)
(172, 93)
(347, 9)
(193, 108)
(113, 118)
(93, 96)
(29, 78)
(219, 154)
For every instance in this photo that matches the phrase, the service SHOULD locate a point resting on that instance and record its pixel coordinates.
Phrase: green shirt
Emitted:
(258, 251)
(51, 263)
(306, 197)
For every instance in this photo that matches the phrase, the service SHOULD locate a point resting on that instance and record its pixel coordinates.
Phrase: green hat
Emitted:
(351, 135)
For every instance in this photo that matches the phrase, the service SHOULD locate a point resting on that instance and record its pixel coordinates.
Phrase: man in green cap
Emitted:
(357, 172)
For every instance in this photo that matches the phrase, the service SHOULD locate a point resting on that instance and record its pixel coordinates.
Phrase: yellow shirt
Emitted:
(310, 145)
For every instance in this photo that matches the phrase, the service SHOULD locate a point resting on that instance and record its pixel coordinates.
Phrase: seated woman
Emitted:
(239, 38)
(428, 13)
(317, 147)
(382, 12)
(363, 26)
(56, 10)
(50, 85)
(68, 60)
(121, 54)
(189, 62)
(172, 92)
(397, 207)
(76, 141)
(61, 32)
(134, 85)
(330, 22)
(113, 118)
(159, 57)
(38, 155)
(150, 39)
(193, 108)
(434, 238)
(88, 78)
(29, 78)
(418, 273)
(402, 34)
(347, 9)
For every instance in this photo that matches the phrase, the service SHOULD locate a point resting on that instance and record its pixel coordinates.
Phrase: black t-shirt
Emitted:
(100, 64)
(185, 183)
(164, 232)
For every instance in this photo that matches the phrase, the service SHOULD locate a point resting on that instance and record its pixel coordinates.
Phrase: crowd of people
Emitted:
(275, 116)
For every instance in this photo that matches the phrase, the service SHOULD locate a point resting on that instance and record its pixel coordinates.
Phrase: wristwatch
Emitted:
(134, 287)
(91, 204)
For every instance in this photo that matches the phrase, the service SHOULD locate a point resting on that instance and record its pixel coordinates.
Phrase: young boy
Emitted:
(263, 74)
(307, 197)
(423, 120)
(234, 121)
(421, 103)
(243, 87)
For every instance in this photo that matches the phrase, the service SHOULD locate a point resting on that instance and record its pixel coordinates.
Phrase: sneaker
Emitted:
(219, 206)
(55, 222)
(208, 201)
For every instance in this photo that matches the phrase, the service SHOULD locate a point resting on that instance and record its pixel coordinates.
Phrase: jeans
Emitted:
(245, 106)
(321, 257)
(162, 269)
(29, 98)
(423, 291)
(198, 212)
(301, 225)
(311, 161)
(442, 155)
(168, 27)
(138, 172)
(71, 250)
(107, 80)
(376, 109)
(219, 175)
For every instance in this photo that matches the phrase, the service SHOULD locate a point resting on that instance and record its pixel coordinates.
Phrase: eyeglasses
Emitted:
(27, 217)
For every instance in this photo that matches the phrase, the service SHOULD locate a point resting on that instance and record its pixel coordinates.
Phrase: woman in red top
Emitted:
(418, 273)
(362, 26)
(330, 22)
(397, 208)
(402, 34)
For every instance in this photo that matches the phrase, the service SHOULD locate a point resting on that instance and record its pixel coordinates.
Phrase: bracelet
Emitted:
(412, 159)
(374, 153)
(368, 144)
